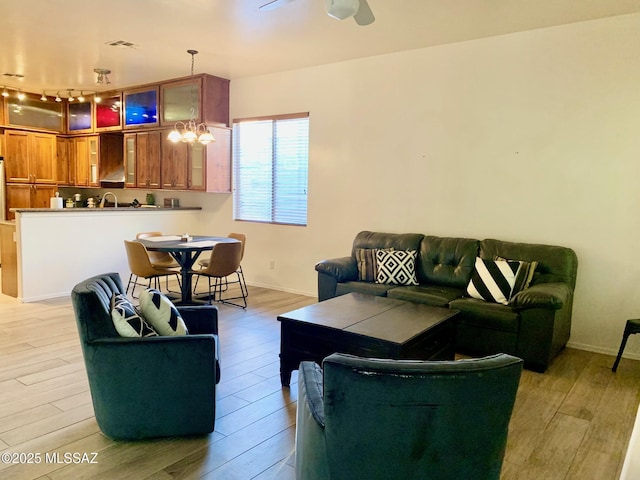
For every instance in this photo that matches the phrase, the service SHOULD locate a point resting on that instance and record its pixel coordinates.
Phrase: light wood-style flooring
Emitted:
(572, 422)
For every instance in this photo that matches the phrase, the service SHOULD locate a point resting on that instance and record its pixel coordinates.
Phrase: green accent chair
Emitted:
(147, 387)
(375, 419)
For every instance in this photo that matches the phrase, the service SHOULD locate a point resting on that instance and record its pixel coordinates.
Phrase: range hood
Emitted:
(115, 176)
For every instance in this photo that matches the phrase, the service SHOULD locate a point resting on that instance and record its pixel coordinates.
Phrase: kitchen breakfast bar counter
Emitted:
(57, 248)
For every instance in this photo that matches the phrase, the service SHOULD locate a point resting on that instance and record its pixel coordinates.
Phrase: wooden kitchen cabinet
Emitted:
(22, 195)
(206, 94)
(196, 166)
(95, 157)
(210, 165)
(30, 157)
(65, 161)
(174, 163)
(142, 159)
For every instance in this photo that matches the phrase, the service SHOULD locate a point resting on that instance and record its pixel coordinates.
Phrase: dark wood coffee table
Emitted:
(367, 326)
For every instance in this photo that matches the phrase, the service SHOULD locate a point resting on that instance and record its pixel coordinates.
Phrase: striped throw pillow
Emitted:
(493, 280)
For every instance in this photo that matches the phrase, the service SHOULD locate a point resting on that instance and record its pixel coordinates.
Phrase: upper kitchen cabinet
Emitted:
(79, 116)
(33, 113)
(96, 157)
(108, 113)
(142, 159)
(205, 96)
(141, 108)
(30, 157)
(210, 165)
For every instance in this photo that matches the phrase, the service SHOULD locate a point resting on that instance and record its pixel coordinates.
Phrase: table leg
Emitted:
(186, 261)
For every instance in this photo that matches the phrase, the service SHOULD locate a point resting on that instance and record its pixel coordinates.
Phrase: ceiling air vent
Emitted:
(122, 44)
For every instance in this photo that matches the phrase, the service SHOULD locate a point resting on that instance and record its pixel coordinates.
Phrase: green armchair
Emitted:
(375, 419)
(147, 387)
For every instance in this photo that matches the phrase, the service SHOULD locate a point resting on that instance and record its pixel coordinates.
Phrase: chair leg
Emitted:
(622, 345)
(243, 283)
(129, 284)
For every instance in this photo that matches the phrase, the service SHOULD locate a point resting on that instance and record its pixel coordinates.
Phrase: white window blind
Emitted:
(270, 169)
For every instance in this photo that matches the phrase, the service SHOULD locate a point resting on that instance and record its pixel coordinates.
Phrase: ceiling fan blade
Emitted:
(273, 4)
(364, 15)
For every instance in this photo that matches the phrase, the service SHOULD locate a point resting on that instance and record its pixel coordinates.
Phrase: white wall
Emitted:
(56, 250)
(526, 137)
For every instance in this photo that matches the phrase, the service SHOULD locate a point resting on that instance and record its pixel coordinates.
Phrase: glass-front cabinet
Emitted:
(181, 100)
(34, 113)
(79, 117)
(108, 113)
(207, 96)
(130, 160)
(141, 108)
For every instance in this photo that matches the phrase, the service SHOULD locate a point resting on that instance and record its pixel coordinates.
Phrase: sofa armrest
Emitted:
(200, 318)
(343, 269)
(311, 447)
(553, 295)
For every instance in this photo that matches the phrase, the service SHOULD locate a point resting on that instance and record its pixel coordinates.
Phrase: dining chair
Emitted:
(239, 273)
(224, 261)
(160, 259)
(141, 266)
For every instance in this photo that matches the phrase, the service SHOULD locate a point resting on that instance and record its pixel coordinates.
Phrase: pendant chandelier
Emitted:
(191, 131)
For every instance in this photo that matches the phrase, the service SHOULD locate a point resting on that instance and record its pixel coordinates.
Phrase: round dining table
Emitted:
(185, 252)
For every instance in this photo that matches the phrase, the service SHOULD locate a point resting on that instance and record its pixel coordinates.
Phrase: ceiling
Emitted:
(56, 44)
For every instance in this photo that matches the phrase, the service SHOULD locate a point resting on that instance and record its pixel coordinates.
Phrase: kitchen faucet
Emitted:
(115, 199)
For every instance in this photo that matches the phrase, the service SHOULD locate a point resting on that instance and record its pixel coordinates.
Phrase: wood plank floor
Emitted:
(573, 422)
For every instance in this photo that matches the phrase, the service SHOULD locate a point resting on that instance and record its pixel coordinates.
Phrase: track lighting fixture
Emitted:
(21, 95)
(4, 92)
(43, 97)
(81, 96)
(103, 75)
(70, 98)
(58, 99)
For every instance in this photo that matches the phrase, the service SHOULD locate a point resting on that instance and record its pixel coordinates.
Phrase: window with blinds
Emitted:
(270, 169)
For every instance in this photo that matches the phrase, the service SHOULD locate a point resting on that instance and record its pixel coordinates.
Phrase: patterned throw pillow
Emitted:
(493, 280)
(126, 319)
(160, 312)
(396, 267)
(367, 264)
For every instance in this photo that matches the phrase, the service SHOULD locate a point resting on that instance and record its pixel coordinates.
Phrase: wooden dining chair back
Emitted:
(224, 261)
(141, 267)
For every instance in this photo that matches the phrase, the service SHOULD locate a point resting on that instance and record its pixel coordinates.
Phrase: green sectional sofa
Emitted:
(533, 324)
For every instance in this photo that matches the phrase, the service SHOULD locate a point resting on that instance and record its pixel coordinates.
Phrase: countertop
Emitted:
(106, 209)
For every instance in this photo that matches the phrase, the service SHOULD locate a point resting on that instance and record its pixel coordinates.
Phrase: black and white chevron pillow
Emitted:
(493, 280)
(126, 319)
(160, 312)
(396, 267)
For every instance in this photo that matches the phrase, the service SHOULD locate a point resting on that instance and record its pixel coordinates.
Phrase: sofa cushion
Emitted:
(434, 295)
(397, 267)
(397, 241)
(493, 280)
(377, 289)
(488, 315)
(159, 311)
(126, 320)
(446, 261)
(555, 263)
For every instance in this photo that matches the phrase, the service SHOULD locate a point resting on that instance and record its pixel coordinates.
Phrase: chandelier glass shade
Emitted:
(191, 131)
